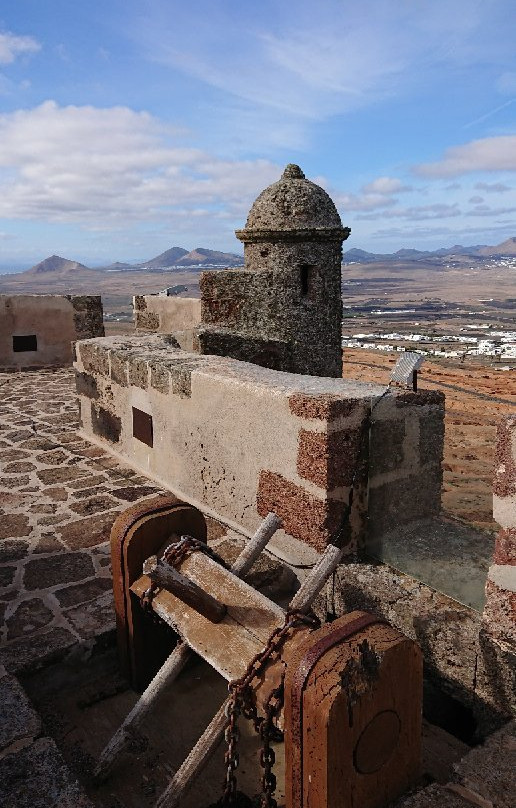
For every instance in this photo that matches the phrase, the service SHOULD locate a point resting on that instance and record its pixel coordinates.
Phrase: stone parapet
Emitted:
(240, 440)
(39, 330)
(165, 314)
(500, 608)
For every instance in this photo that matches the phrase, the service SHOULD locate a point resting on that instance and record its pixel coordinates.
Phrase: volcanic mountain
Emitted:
(57, 264)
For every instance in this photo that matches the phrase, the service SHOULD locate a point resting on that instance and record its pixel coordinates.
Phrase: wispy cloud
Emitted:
(12, 46)
(492, 187)
(386, 185)
(310, 64)
(416, 213)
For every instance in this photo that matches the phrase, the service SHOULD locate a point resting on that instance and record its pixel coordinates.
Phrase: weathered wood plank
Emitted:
(230, 644)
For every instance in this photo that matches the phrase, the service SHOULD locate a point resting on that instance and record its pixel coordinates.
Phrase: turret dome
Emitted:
(294, 205)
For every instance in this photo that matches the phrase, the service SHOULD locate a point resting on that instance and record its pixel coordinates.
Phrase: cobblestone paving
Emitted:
(59, 496)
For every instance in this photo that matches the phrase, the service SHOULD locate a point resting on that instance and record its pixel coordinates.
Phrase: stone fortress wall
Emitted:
(38, 330)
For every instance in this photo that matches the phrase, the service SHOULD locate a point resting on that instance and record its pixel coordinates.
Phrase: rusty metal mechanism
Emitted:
(242, 701)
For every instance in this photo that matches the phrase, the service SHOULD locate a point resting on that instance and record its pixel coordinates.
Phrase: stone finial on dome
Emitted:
(292, 172)
(293, 208)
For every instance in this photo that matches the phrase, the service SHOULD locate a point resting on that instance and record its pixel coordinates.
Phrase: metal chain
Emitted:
(174, 554)
(242, 701)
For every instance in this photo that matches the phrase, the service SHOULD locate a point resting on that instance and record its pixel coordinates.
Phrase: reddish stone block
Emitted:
(328, 460)
(504, 484)
(505, 547)
(421, 398)
(323, 407)
(500, 612)
(305, 517)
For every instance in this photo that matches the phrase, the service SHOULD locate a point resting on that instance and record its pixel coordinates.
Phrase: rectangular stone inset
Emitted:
(25, 342)
(142, 427)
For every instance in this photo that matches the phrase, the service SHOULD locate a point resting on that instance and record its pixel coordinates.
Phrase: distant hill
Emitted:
(56, 264)
(506, 248)
(201, 256)
(169, 258)
(178, 257)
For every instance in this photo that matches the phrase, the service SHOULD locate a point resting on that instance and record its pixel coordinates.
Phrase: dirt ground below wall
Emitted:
(477, 397)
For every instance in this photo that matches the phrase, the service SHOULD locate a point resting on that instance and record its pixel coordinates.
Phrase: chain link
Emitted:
(242, 701)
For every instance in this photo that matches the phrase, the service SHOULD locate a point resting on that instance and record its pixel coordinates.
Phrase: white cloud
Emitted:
(476, 200)
(488, 154)
(12, 46)
(104, 168)
(386, 185)
(362, 201)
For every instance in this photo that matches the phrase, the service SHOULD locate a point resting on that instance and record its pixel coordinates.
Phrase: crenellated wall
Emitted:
(38, 330)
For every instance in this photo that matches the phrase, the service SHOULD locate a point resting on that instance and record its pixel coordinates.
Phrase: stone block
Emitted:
(328, 459)
(386, 446)
(324, 407)
(431, 438)
(105, 424)
(94, 617)
(42, 573)
(146, 321)
(159, 377)
(81, 593)
(500, 608)
(86, 385)
(139, 372)
(12, 549)
(505, 547)
(29, 616)
(93, 358)
(304, 516)
(87, 532)
(20, 722)
(88, 316)
(37, 777)
(421, 398)
(504, 484)
(437, 796)
(269, 353)
(490, 770)
(119, 367)
(27, 654)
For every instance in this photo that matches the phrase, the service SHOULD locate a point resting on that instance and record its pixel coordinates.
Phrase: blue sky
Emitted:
(130, 126)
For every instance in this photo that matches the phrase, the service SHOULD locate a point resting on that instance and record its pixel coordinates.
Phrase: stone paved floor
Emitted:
(59, 496)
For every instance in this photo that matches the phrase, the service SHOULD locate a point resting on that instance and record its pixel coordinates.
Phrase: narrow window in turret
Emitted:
(306, 271)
